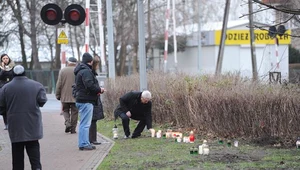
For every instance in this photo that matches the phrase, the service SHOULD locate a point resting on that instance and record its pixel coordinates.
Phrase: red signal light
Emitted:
(74, 14)
(51, 14)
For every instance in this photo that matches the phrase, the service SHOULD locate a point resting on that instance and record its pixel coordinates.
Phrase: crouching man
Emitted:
(136, 106)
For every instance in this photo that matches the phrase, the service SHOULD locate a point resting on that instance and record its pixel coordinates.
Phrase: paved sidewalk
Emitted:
(59, 151)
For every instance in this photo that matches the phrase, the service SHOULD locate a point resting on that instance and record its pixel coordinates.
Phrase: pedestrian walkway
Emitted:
(59, 151)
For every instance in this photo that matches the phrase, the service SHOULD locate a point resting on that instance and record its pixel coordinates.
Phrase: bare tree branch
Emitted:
(281, 9)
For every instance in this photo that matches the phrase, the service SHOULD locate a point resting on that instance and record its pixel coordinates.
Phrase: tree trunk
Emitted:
(24, 57)
(134, 61)
(35, 55)
(122, 57)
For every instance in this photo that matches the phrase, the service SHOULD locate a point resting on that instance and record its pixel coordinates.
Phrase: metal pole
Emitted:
(276, 53)
(199, 36)
(111, 51)
(142, 51)
(174, 34)
(253, 53)
(102, 48)
(223, 37)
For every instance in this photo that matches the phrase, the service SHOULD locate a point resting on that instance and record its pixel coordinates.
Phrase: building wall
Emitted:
(186, 61)
(237, 59)
(237, 54)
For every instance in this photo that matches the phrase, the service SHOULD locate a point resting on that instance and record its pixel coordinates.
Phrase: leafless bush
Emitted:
(228, 106)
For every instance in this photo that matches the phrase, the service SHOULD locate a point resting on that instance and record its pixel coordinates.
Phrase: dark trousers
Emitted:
(70, 113)
(4, 119)
(33, 152)
(139, 128)
(93, 131)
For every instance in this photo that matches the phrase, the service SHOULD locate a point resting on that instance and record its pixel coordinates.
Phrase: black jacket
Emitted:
(5, 76)
(87, 86)
(131, 101)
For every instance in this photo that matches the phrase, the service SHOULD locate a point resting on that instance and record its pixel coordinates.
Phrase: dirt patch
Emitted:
(233, 158)
(274, 142)
(233, 155)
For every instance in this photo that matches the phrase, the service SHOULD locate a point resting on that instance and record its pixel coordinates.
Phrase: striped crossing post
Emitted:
(87, 26)
(166, 36)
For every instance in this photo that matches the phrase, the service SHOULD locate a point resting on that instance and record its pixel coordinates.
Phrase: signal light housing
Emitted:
(272, 32)
(281, 30)
(51, 14)
(74, 14)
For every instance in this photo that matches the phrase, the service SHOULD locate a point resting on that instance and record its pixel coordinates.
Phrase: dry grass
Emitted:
(228, 106)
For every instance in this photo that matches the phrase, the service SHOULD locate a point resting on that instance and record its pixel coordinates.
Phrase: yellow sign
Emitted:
(238, 37)
(62, 37)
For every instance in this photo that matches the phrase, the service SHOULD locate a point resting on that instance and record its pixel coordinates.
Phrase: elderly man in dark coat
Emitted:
(137, 106)
(21, 99)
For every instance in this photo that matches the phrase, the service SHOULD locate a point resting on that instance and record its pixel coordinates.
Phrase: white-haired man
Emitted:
(137, 106)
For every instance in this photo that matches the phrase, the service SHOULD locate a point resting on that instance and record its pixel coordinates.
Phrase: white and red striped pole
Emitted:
(63, 56)
(87, 26)
(276, 53)
(63, 48)
(166, 36)
(174, 34)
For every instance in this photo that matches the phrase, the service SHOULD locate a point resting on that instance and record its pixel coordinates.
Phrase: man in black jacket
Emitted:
(87, 93)
(137, 106)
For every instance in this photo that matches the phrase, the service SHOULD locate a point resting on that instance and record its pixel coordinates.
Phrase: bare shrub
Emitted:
(227, 106)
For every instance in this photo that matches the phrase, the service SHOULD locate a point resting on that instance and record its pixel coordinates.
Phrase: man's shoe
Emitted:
(87, 148)
(96, 143)
(6, 127)
(135, 136)
(68, 129)
(73, 132)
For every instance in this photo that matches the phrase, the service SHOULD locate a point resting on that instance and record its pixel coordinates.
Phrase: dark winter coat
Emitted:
(21, 99)
(131, 101)
(87, 86)
(6, 74)
(98, 110)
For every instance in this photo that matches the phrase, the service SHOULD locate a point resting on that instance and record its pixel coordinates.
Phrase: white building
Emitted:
(237, 54)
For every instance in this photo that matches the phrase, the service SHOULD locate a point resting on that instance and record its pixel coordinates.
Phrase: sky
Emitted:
(239, 11)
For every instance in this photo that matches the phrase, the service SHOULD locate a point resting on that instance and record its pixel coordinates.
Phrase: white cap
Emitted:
(18, 69)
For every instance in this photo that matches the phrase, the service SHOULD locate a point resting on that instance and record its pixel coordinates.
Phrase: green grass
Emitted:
(148, 153)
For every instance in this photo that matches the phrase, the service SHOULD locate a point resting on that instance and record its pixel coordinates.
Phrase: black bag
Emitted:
(74, 91)
(98, 110)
